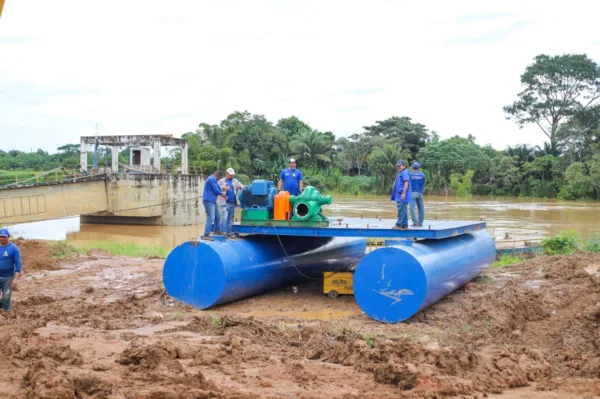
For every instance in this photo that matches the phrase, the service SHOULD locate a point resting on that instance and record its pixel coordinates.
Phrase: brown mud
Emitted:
(103, 327)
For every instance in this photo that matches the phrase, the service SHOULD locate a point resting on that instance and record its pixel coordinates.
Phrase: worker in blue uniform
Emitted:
(10, 268)
(290, 179)
(211, 193)
(402, 194)
(417, 183)
(230, 186)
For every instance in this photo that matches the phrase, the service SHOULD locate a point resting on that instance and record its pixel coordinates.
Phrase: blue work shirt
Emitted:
(417, 182)
(10, 260)
(230, 191)
(398, 187)
(291, 180)
(211, 190)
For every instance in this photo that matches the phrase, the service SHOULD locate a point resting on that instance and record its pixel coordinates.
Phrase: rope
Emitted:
(286, 254)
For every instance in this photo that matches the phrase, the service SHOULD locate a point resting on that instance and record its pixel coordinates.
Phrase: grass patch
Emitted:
(61, 250)
(507, 260)
(126, 249)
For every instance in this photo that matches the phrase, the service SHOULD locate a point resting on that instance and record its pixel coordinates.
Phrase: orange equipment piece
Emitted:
(282, 208)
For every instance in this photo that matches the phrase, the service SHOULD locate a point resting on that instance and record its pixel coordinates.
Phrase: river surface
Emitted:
(520, 218)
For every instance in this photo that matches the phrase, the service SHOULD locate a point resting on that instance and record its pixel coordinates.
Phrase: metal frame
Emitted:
(379, 228)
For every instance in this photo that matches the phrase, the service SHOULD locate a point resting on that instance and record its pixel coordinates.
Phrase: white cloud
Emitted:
(140, 66)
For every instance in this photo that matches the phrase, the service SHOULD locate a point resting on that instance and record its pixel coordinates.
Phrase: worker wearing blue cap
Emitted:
(402, 194)
(417, 183)
(10, 268)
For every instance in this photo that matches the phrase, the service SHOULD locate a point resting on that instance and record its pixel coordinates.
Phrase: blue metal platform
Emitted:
(367, 227)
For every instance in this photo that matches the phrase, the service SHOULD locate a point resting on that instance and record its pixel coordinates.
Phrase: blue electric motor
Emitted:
(258, 195)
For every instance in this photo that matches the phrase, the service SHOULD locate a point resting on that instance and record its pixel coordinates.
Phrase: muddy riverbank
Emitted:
(101, 326)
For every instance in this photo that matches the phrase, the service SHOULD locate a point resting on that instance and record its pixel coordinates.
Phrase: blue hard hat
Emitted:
(4, 233)
(416, 165)
(401, 163)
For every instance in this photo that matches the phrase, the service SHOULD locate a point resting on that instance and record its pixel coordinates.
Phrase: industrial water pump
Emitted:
(307, 206)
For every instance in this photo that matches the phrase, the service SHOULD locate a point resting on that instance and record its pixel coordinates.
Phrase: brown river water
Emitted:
(520, 218)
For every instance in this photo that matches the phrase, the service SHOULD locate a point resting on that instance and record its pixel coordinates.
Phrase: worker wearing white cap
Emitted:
(290, 179)
(230, 187)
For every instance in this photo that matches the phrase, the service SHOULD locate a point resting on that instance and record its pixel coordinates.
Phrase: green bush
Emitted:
(564, 243)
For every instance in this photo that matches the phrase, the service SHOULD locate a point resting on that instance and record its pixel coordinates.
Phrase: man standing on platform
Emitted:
(230, 186)
(402, 194)
(290, 179)
(212, 191)
(417, 183)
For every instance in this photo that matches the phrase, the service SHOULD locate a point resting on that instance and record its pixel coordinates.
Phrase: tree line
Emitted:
(560, 95)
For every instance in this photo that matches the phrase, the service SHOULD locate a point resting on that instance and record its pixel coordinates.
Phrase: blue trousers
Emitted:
(402, 214)
(211, 216)
(417, 202)
(6, 288)
(228, 212)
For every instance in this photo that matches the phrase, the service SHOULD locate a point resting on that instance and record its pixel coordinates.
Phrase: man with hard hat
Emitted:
(417, 183)
(10, 268)
(230, 187)
(402, 194)
(290, 179)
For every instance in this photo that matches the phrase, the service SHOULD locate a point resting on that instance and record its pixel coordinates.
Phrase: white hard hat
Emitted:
(292, 160)
(230, 171)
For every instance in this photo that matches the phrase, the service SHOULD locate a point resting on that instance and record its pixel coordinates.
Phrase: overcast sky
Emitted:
(157, 67)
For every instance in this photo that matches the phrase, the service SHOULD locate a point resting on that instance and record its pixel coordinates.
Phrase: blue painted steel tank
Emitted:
(393, 283)
(209, 273)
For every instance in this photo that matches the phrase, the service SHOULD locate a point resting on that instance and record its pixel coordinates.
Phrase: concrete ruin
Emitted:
(140, 147)
(130, 198)
(138, 194)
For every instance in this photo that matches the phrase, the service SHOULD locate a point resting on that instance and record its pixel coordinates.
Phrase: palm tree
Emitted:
(383, 160)
(311, 147)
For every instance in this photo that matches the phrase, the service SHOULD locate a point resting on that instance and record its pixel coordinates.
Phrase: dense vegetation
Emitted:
(560, 95)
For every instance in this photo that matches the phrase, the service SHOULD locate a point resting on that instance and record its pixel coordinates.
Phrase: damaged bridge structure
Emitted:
(138, 193)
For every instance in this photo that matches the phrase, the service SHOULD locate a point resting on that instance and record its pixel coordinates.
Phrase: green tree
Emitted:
(292, 127)
(555, 89)
(462, 184)
(311, 147)
(454, 155)
(401, 131)
(383, 161)
(256, 134)
(578, 184)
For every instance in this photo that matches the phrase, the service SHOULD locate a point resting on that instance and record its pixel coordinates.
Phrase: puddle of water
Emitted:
(324, 314)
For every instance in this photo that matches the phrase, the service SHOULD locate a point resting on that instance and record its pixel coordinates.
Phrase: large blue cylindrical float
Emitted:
(393, 283)
(209, 273)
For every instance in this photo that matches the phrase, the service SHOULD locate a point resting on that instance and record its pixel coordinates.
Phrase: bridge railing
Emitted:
(16, 178)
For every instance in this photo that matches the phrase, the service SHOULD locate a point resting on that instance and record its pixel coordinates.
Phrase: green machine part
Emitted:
(306, 207)
(259, 215)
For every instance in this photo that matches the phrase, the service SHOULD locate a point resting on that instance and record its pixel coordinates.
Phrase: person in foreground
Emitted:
(402, 194)
(10, 268)
(417, 184)
(211, 193)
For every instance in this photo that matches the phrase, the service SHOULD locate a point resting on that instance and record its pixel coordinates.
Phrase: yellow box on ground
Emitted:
(337, 283)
